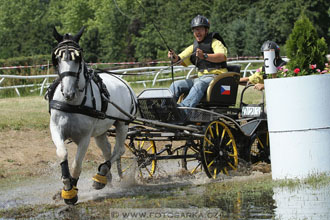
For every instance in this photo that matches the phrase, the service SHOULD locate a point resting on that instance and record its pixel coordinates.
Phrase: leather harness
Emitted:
(90, 76)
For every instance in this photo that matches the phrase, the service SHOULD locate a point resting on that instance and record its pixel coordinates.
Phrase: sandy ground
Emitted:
(30, 152)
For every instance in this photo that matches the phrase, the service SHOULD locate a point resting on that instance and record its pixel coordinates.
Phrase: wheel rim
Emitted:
(219, 150)
(143, 153)
(260, 149)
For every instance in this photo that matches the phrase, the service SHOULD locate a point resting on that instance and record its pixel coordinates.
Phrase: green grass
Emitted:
(24, 113)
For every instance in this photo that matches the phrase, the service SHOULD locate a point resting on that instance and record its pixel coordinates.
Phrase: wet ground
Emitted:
(239, 196)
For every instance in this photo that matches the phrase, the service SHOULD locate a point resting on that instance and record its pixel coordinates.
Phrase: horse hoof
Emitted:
(98, 186)
(99, 181)
(70, 196)
(71, 201)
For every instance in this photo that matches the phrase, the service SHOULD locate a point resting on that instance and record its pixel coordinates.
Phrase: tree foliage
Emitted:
(304, 47)
(139, 30)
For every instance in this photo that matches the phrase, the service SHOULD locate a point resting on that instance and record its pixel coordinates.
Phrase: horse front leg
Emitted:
(69, 191)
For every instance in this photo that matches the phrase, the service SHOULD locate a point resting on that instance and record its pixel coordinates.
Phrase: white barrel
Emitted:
(298, 114)
(302, 202)
(269, 59)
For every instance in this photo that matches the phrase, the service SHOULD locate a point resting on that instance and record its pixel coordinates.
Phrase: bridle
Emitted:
(69, 50)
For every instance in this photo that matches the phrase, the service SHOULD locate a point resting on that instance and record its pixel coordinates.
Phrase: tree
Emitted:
(256, 32)
(304, 47)
(23, 28)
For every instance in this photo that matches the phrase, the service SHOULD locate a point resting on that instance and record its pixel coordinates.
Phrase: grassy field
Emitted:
(24, 112)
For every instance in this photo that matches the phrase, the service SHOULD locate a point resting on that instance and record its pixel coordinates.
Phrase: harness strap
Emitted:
(69, 73)
(84, 110)
(103, 91)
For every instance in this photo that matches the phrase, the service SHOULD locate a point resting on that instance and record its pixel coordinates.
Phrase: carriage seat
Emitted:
(222, 91)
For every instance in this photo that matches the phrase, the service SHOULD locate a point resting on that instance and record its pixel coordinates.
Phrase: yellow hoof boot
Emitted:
(100, 179)
(70, 195)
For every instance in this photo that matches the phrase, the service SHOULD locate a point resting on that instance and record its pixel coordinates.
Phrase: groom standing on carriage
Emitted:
(208, 53)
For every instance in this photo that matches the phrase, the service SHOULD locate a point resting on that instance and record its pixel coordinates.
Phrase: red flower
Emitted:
(312, 66)
(296, 71)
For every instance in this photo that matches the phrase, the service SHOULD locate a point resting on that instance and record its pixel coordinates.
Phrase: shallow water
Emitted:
(301, 202)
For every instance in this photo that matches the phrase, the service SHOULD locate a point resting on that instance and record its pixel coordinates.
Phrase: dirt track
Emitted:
(29, 152)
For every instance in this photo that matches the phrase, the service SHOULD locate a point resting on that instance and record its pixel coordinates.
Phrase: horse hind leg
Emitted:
(103, 174)
(119, 149)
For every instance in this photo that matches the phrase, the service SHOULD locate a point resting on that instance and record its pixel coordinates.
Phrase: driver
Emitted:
(208, 53)
(258, 77)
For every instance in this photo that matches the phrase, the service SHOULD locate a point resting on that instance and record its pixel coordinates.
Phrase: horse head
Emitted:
(68, 62)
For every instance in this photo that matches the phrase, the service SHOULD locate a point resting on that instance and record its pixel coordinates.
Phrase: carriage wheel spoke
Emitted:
(223, 133)
(150, 174)
(229, 142)
(210, 163)
(129, 148)
(193, 149)
(215, 173)
(129, 166)
(208, 141)
(232, 166)
(211, 132)
(260, 142)
(150, 147)
(226, 171)
(193, 171)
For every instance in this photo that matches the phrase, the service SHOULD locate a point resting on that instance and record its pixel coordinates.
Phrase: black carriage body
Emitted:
(216, 133)
(158, 104)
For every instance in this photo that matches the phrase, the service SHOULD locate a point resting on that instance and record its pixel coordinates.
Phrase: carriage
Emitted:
(87, 103)
(212, 136)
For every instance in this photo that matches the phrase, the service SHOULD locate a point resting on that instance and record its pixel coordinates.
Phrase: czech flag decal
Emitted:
(225, 90)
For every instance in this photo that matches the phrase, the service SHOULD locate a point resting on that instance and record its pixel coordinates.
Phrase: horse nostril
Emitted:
(69, 96)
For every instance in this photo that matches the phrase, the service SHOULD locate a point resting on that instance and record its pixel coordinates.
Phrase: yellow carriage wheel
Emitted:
(140, 155)
(260, 150)
(219, 150)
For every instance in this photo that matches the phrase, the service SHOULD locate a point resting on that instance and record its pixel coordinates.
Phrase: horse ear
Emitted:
(57, 36)
(76, 38)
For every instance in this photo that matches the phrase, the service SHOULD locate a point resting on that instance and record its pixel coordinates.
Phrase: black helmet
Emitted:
(267, 45)
(200, 20)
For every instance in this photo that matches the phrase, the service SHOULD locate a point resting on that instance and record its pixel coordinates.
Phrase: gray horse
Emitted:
(85, 104)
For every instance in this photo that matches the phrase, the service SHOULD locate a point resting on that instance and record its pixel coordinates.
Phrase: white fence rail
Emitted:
(155, 71)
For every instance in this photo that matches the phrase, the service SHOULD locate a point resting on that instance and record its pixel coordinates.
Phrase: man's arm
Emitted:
(212, 57)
